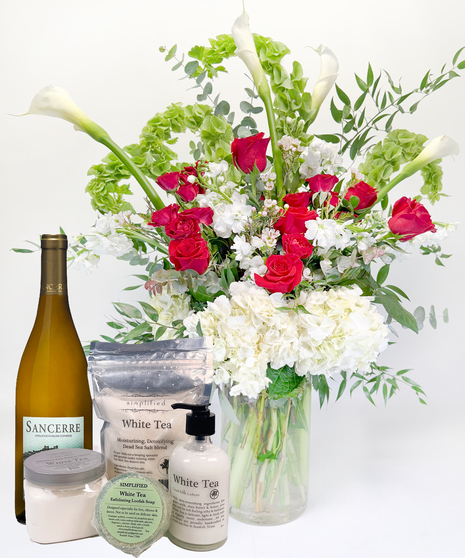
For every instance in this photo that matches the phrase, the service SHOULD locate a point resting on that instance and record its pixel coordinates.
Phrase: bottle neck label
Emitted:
(53, 276)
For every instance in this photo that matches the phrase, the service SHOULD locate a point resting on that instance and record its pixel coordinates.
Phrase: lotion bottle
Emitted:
(199, 485)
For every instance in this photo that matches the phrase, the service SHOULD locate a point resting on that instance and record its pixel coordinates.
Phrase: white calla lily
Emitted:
(57, 102)
(437, 148)
(328, 74)
(245, 48)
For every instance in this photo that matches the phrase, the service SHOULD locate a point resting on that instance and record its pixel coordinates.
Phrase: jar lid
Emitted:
(64, 467)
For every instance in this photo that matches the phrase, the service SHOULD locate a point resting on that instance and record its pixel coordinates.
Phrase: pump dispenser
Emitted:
(199, 484)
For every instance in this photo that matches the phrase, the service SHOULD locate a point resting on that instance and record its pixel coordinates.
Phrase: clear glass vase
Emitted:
(269, 452)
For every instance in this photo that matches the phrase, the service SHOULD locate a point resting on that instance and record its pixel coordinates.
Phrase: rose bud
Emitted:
(248, 152)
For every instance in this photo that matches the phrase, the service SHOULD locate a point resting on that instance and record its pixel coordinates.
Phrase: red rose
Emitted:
(409, 219)
(365, 193)
(188, 191)
(284, 273)
(164, 216)
(248, 152)
(297, 244)
(190, 253)
(182, 227)
(301, 199)
(168, 181)
(190, 171)
(322, 183)
(203, 215)
(293, 221)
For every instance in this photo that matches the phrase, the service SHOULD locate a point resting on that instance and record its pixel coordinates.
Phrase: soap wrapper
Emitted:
(132, 512)
(134, 387)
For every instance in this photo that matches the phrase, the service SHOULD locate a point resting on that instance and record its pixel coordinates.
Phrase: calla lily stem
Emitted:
(264, 92)
(133, 169)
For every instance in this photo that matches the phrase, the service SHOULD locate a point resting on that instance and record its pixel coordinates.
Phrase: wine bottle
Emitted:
(53, 403)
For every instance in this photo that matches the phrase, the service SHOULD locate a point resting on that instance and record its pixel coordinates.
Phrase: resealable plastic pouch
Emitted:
(134, 387)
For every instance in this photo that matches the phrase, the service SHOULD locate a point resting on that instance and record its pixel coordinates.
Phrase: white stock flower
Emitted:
(86, 261)
(216, 169)
(108, 222)
(112, 245)
(228, 218)
(327, 78)
(241, 247)
(327, 234)
(320, 157)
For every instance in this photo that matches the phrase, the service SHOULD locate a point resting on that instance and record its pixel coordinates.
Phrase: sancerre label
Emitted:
(44, 433)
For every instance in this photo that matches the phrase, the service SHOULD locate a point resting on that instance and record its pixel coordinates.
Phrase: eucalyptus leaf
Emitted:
(127, 310)
(150, 311)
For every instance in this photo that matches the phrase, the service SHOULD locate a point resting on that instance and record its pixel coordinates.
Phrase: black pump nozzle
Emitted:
(200, 421)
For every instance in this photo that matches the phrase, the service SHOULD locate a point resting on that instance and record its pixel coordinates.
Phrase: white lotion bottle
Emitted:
(199, 484)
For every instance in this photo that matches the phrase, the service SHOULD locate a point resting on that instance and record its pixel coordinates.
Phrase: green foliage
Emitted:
(379, 379)
(284, 382)
(358, 127)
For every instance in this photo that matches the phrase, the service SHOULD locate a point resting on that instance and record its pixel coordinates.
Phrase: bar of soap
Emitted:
(132, 512)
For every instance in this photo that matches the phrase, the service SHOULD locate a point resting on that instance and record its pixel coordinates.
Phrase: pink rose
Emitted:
(190, 253)
(293, 221)
(409, 219)
(203, 215)
(164, 216)
(322, 183)
(182, 227)
(248, 152)
(283, 275)
(301, 199)
(168, 181)
(365, 193)
(297, 244)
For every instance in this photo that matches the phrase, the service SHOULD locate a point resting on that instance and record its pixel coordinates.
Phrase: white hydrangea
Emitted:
(341, 331)
(327, 234)
(170, 307)
(320, 157)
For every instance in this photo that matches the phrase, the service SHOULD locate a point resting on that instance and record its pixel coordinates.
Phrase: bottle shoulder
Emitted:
(184, 452)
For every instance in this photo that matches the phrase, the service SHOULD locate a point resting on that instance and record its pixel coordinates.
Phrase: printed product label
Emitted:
(131, 510)
(141, 435)
(41, 434)
(200, 508)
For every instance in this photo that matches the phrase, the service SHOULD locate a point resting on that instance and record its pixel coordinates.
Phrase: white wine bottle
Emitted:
(53, 403)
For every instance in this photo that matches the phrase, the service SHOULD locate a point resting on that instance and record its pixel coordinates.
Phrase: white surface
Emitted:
(385, 482)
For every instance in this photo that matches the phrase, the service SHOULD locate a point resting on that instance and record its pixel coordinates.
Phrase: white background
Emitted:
(385, 481)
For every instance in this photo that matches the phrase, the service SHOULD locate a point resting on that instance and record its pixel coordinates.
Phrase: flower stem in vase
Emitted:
(240, 465)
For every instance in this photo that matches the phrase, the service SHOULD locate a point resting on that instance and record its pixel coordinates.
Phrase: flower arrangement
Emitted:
(274, 244)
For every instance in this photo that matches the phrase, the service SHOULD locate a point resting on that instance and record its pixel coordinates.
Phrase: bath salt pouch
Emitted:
(134, 387)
